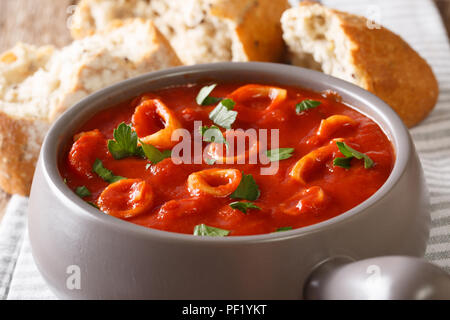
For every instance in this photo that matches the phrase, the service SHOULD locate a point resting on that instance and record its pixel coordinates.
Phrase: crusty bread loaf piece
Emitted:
(22, 126)
(200, 31)
(342, 45)
(38, 84)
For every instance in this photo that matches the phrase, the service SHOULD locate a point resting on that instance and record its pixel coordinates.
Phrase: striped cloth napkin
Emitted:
(419, 23)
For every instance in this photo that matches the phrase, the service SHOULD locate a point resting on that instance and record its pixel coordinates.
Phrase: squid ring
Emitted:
(126, 198)
(87, 146)
(215, 182)
(312, 160)
(162, 138)
(305, 201)
(251, 91)
(333, 123)
(216, 150)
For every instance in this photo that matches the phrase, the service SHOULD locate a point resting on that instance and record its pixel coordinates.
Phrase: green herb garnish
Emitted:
(223, 114)
(82, 192)
(283, 229)
(247, 189)
(204, 230)
(204, 98)
(153, 154)
(125, 143)
(243, 206)
(94, 205)
(342, 162)
(306, 105)
(349, 154)
(279, 154)
(104, 173)
(212, 134)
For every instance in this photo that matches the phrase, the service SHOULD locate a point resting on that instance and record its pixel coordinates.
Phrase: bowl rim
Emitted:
(391, 123)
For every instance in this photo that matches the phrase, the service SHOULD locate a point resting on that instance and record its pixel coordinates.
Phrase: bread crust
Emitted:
(401, 77)
(257, 25)
(160, 48)
(20, 141)
(77, 28)
(388, 67)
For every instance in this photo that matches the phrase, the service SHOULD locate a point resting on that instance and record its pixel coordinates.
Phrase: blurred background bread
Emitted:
(37, 84)
(200, 31)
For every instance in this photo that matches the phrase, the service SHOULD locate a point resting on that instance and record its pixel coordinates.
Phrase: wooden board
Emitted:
(45, 22)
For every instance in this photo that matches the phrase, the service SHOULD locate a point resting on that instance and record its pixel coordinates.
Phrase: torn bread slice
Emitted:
(22, 127)
(38, 84)
(200, 31)
(345, 46)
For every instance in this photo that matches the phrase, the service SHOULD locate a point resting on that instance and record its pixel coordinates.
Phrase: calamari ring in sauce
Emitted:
(145, 119)
(215, 182)
(126, 198)
(234, 152)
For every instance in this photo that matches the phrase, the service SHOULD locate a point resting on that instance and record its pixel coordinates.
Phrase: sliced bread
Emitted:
(348, 47)
(38, 84)
(200, 31)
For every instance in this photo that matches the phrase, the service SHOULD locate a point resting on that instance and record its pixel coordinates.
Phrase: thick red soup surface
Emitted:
(174, 160)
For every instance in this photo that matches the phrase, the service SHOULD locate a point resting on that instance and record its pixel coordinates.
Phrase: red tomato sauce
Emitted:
(168, 204)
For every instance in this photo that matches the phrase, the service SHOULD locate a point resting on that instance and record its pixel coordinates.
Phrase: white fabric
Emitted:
(419, 23)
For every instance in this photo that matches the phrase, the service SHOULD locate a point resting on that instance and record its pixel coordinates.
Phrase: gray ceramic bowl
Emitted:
(83, 253)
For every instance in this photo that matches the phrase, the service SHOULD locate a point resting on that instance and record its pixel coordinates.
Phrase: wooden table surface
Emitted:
(45, 22)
